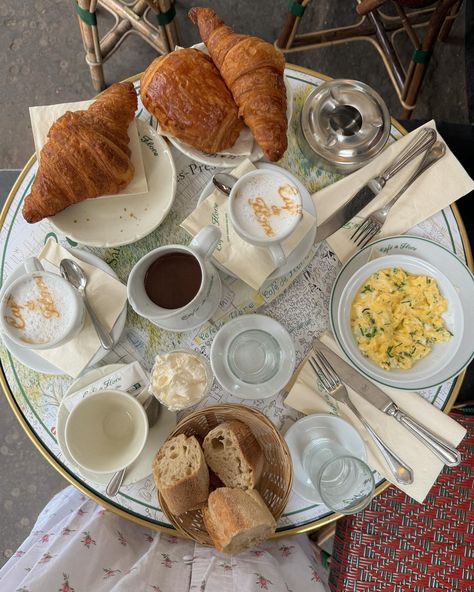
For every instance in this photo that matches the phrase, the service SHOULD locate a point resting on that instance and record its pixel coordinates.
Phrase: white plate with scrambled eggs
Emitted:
(402, 321)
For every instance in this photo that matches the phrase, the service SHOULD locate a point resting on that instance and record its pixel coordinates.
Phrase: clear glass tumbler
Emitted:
(345, 483)
(254, 356)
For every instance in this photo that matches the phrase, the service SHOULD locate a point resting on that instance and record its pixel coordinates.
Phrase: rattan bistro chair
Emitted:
(380, 29)
(152, 20)
(399, 545)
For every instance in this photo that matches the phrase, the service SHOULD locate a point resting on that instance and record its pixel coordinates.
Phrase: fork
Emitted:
(332, 384)
(372, 225)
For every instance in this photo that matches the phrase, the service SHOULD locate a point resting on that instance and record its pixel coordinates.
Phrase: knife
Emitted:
(422, 141)
(379, 399)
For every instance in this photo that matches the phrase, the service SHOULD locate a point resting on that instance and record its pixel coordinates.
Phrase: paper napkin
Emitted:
(251, 264)
(42, 118)
(106, 295)
(442, 184)
(305, 397)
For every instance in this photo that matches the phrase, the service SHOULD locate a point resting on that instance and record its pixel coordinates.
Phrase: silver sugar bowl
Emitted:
(343, 125)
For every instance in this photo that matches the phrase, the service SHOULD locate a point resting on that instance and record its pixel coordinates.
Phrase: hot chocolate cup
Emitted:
(203, 303)
(265, 208)
(40, 309)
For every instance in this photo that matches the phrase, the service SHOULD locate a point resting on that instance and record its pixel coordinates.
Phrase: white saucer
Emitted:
(224, 375)
(302, 432)
(157, 434)
(124, 219)
(443, 260)
(29, 357)
(304, 246)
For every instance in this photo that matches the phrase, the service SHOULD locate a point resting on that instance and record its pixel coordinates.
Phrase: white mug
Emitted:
(205, 302)
(272, 244)
(11, 320)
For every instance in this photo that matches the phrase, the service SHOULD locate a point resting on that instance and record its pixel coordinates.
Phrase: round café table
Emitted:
(299, 301)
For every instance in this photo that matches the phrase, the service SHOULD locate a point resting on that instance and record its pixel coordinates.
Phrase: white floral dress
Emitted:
(77, 546)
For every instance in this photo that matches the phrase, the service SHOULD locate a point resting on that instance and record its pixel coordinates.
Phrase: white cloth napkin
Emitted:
(443, 183)
(106, 295)
(251, 264)
(42, 118)
(305, 397)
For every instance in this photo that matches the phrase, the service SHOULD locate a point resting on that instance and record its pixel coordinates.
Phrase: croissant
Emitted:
(187, 95)
(253, 71)
(86, 154)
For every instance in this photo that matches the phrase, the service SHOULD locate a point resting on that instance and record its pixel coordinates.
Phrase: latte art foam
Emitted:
(267, 206)
(38, 310)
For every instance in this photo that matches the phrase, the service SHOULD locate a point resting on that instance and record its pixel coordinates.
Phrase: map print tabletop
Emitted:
(299, 301)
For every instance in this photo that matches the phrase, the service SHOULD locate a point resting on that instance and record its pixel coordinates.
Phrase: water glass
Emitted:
(345, 483)
(254, 356)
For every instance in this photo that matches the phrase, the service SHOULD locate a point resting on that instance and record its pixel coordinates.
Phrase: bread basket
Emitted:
(275, 483)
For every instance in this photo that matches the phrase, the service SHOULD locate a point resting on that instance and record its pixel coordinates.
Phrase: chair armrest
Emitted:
(367, 5)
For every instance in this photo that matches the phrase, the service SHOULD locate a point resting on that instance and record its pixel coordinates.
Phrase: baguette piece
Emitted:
(237, 519)
(233, 453)
(181, 474)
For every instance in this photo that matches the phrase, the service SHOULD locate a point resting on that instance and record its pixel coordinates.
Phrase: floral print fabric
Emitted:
(77, 546)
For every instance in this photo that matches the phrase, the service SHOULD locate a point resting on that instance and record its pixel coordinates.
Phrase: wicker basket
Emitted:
(275, 483)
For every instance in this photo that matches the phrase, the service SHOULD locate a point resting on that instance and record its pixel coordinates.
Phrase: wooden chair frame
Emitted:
(380, 30)
(132, 17)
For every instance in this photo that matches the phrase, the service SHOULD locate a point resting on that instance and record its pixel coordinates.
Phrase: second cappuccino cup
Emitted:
(265, 207)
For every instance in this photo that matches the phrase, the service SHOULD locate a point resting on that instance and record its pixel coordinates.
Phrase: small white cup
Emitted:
(272, 244)
(33, 269)
(205, 302)
(106, 431)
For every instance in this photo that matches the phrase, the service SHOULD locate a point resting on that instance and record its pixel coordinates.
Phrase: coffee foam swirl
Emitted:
(267, 205)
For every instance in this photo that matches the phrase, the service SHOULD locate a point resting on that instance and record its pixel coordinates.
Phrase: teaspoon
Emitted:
(75, 275)
(224, 182)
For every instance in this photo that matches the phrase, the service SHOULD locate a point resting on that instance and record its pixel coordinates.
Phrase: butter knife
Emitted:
(422, 141)
(376, 397)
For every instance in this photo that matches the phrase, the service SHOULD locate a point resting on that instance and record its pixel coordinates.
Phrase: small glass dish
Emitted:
(206, 389)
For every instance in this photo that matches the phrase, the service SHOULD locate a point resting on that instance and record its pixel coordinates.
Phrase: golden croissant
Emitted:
(86, 155)
(253, 71)
(187, 95)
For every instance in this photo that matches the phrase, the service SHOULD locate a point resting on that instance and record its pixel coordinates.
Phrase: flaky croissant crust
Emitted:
(86, 155)
(254, 72)
(187, 95)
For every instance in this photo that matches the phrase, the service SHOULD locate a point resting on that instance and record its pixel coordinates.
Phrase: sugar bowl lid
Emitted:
(345, 122)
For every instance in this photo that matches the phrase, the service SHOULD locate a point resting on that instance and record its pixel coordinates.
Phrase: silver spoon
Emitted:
(152, 409)
(224, 182)
(74, 274)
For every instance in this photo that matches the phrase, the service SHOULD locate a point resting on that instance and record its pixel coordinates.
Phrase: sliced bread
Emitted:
(181, 474)
(237, 519)
(234, 454)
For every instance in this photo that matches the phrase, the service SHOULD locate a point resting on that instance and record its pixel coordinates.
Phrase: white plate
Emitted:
(29, 357)
(125, 219)
(302, 432)
(447, 264)
(228, 380)
(157, 434)
(221, 159)
(303, 247)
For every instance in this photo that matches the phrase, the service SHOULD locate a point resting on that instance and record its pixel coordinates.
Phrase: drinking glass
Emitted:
(345, 483)
(254, 356)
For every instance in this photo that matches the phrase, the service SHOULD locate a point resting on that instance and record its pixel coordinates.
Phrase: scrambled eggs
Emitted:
(396, 317)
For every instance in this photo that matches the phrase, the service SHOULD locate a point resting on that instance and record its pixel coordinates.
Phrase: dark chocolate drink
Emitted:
(173, 280)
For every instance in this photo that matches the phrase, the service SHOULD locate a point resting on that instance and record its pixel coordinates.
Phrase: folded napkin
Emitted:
(304, 396)
(445, 182)
(251, 264)
(42, 118)
(106, 295)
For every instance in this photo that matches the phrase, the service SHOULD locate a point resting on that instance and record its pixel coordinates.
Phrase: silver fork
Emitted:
(372, 225)
(334, 387)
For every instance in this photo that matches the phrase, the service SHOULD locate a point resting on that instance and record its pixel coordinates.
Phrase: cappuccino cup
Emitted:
(176, 287)
(40, 310)
(265, 207)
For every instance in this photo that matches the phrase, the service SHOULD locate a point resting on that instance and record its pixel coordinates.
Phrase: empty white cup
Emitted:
(106, 431)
